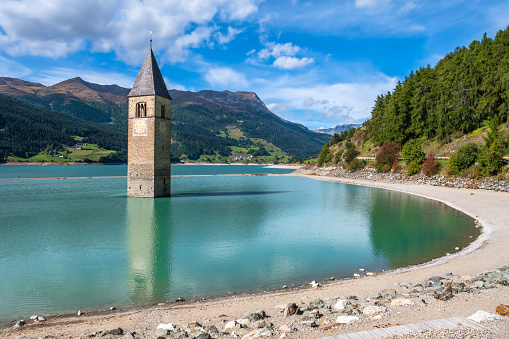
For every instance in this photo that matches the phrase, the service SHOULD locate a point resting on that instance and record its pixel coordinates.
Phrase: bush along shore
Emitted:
(419, 179)
(318, 317)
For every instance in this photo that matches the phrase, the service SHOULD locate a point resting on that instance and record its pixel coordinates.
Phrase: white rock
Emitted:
(314, 284)
(169, 327)
(456, 248)
(341, 304)
(33, 317)
(356, 275)
(80, 313)
(370, 273)
(377, 317)
(231, 324)
(361, 269)
(346, 319)
(262, 332)
(484, 316)
(402, 302)
(373, 310)
(243, 321)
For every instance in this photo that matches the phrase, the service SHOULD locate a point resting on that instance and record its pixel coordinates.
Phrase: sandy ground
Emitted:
(490, 251)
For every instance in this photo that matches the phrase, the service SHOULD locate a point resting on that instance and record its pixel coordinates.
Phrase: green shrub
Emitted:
(324, 155)
(462, 159)
(356, 165)
(337, 158)
(490, 160)
(350, 155)
(412, 152)
(388, 154)
(413, 168)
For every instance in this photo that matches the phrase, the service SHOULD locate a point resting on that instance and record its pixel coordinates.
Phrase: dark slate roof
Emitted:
(149, 80)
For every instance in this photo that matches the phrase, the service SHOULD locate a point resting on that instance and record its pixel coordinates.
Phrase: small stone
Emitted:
(169, 327)
(231, 324)
(402, 302)
(373, 310)
(332, 278)
(285, 287)
(389, 291)
(356, 275)
(259, 324)
(254, 316)
(115, 331)
(309, 324)
(243, 321)
(314, 284)
(309, 315)
(20, 323)
(79, 312)
(212, 329)
(346, 319)
(203, 335)
(290, 309)
(39, 318)
(370, 273)
(161, 332)
(483, 316)
(361, 269)
(262, 332)
(193, 324)
(180, 299)
(502, 310)
(112, 308)
(341, 304)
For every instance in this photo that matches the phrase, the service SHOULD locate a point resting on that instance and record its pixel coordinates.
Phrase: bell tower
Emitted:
(149, 134)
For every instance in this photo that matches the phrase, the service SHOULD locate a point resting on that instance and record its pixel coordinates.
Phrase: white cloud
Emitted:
(284, 55)
(58, 28)
(12, 69)
(225, 77)
(224, 39)
(285, 62)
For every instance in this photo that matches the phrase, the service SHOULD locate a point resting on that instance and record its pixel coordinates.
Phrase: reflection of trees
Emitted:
(409, 230)
(148, 238)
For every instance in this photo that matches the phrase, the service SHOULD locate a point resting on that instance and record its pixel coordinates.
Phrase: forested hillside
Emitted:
(206, 125)
(465, 88)
(25, 130)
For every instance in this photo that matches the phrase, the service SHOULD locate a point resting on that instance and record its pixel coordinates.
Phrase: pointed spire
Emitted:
(150, 80)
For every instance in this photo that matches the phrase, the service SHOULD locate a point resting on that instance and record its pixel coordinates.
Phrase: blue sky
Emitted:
(317, 63)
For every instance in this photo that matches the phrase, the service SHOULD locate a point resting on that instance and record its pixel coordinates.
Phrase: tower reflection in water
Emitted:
(149, 249)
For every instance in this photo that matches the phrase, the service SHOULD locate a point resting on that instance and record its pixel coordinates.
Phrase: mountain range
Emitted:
(205, 125)
(338, 129)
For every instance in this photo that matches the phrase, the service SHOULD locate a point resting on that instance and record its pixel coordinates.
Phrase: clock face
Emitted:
(140, 127)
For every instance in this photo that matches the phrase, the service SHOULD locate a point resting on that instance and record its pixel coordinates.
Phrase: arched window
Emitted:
(141, 110)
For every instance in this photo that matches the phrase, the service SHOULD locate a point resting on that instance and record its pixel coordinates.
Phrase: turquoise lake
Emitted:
(82, 244)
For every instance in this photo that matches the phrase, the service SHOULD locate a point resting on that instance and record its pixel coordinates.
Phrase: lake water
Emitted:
(82, 244)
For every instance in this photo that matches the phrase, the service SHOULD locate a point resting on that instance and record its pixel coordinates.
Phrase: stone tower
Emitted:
(149, 138)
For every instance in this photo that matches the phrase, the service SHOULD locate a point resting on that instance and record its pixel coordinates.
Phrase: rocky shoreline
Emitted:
(418, 179)
(319, 317)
